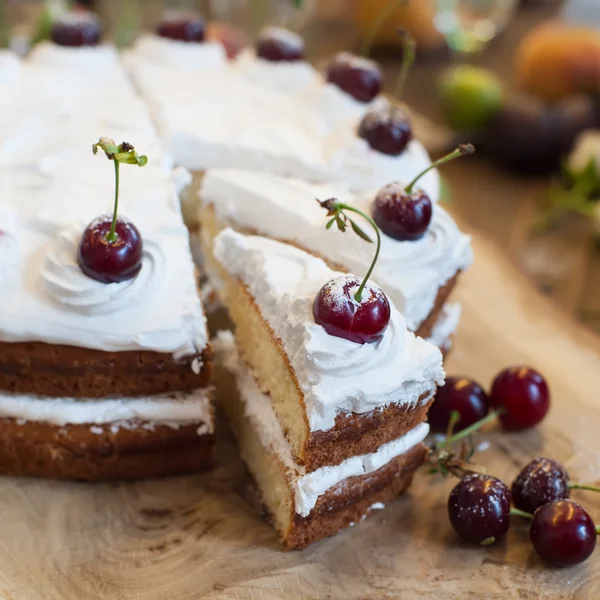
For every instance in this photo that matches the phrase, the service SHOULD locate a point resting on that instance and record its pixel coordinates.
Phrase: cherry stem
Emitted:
(467, 431)
(123, 153)
(582, 486)
(408, 59)
(515, 512)
(358, 295)
(462, 150)
(383, 16)
(111, 236)
(334, 210)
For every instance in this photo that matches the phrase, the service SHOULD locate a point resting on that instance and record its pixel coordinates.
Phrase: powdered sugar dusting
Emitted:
(356, 62)
(342, 290)
(281, 34)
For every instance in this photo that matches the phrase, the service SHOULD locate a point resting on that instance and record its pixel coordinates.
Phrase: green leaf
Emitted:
(297, 3)
(330, 223)
(340, 223)
(360, 232)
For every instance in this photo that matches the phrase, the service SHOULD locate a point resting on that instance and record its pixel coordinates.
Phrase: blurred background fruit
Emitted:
(470, 96)
(555, 61)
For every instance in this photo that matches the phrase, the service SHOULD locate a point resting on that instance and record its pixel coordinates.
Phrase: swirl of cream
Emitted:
(67, 285)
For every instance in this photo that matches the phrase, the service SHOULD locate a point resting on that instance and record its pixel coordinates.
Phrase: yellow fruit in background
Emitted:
(415, 16)
(555, 61)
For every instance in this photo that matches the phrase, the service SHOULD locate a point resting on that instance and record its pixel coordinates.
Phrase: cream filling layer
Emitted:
(334, 374)
(306, 487)
(173, 410)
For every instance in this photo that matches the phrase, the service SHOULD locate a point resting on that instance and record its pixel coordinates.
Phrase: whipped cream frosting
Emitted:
(205, 124)
(52, 186)
(85, 58)
(446, 326)
(10, 65)
(291, 77)
(173, 410)
(411, 273)
(166, 52)
(334, 374)
(306, 487)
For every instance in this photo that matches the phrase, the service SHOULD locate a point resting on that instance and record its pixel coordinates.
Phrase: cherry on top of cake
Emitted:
(346, 307)
(77, 28)
(182, 26)
(111, 247)
(388, 129)
(403, 212)
(355, 75)
(277, 44)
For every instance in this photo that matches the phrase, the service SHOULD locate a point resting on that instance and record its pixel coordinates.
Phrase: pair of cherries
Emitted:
(347, 308)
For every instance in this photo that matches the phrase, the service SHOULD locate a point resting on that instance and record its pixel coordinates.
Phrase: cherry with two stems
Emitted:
(388, 129)
(111, 247)
(403, 212)
(345, 306)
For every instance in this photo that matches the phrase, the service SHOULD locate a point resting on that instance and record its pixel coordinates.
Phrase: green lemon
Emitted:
(470, 96)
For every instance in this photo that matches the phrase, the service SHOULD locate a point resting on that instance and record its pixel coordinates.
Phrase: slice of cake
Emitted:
(418, 275)
(334, 398)
(307, 506)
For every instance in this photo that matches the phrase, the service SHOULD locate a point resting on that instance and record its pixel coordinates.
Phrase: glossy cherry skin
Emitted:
(523, 394)
(401, 215)
(387, 130)
(563, 533)
(479, 509)
(540, 482)
(276, 44)
(459, 394)
(111, 262)
(342, 316)
(78, 29)
(182, 28)
(357, 76)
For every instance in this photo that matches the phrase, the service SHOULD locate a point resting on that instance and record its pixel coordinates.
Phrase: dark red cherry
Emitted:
(540, 482)
(401, 215)
(277, 44)
(563, 533)
(76, 29)
(523, 395)
(479, 509)
(110, 262)
(336, 309)
(459, 394)
(357, 76)
(387, 130)
(183, 28)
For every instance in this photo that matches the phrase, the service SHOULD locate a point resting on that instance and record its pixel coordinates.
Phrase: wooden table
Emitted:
(197, 537)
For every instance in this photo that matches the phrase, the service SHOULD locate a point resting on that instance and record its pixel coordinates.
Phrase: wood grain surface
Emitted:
(202, 536)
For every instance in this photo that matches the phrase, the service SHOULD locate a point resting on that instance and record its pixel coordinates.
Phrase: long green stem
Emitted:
(358, 295)
(111, 236)
(383, 16)
(467, 431)
(515, 512)
(408, 59)
(462, 150)
(582, 486)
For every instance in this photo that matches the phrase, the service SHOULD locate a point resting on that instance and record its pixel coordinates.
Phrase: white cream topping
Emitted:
(334, 374)
(205, 124)
(10, 66)
(307, 488)
(411, 273)
(158, 50)
(67, 284)
(52, 186)
(85, 58)
(174, 410)
(291, 77)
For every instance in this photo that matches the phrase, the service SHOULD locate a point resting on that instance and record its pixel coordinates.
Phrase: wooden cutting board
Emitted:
(198, 537)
